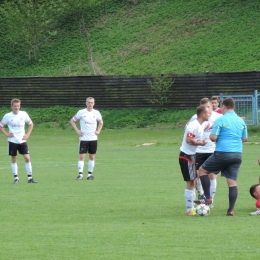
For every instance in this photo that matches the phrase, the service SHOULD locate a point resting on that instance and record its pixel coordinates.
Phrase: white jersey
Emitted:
(88, 123)
(210, 146)
(194, 130)
(16, 125)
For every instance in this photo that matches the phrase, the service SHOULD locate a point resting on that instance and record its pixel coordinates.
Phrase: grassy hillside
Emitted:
(148, 37)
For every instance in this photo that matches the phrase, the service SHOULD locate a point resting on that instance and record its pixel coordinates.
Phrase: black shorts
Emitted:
(201, 158)
(21, 148)
(88, 147)
(187, 164)
(226, 163)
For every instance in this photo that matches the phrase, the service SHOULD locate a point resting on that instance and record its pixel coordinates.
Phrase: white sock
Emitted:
(14, 169)
(199, 188)
(91, 164)
(213, 187)
(188, 194)
(81, 167)
(28, 168)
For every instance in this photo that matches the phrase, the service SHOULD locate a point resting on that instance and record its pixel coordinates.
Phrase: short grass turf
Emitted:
(134, 209)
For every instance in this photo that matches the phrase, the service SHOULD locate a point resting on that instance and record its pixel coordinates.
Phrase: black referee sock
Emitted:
(205, 182)
(232, 197)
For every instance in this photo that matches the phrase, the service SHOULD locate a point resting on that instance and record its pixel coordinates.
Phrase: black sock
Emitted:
(232, 197)
(205, 182)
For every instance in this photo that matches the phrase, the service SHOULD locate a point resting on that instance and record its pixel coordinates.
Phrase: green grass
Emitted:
(146, 37)
(133, 210)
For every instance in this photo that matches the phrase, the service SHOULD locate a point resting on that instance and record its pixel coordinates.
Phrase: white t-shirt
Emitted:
(194, 130)
(88, 123)
(16, 125)
(210, 146)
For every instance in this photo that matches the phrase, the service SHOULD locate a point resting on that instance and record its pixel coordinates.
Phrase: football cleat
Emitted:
(192, 212)
(32, 181)
(16, 181)
(230, 213)
(90, 177)
(255, 213)
(79, 178)
(203, 201)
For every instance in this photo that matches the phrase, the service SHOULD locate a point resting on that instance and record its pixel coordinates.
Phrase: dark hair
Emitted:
(252, 190)
(214, 98)
(229, 103)
(204, 101)
(201, 109)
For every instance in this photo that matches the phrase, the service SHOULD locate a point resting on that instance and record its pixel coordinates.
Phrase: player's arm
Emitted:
(4, 132)
(73, 124)
(100, 125)
(213, 137)
(192, 141)
(30, 128)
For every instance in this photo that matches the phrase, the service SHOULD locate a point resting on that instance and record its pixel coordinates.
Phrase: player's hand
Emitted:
(203, 142)
(79, 133)
(10, 135)
(25, 137)
(97, 132)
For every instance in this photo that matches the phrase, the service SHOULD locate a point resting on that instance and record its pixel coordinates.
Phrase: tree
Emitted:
(160, 89)
(29, 22)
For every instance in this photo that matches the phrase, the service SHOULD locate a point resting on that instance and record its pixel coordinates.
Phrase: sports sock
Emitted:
(91, 164)
(80, 166)
(213, 187)
(199, 188)
(14, 169)
(188, 194)
(232, 197)
(205, 182)
(28, 168)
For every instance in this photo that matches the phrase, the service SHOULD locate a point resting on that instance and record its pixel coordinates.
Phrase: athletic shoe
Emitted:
(90, 177)
(192, 212)
(203, 201)
(200, 197)
(255, 213)
(32, 181)
(230, 213)
(16, 181)
(79, 178)
(211, 205)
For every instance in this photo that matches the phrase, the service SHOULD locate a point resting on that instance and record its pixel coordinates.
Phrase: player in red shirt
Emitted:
(215, 104)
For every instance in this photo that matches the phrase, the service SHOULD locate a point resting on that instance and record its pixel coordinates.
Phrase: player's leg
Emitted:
(91, 162)
(212, 164)
(187, 165)
(12, 151)
(230, 173)
(213, 186)
(83, 149)
(232, 195)
(200, 159)
(23, 150)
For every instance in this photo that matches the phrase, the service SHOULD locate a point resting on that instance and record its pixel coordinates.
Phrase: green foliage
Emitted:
(132, 37)
(160, 89)
(59, 116)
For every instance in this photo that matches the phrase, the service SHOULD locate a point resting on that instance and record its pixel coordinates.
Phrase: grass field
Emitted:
(134, 209)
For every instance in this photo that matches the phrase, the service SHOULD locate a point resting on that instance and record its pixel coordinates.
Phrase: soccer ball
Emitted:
(202, 210)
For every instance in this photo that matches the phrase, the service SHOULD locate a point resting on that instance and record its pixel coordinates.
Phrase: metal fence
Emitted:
(246, 106)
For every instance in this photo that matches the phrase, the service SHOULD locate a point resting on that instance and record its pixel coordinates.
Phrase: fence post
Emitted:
(255, 108)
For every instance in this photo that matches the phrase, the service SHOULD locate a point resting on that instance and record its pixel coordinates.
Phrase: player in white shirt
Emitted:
(89, 130)
(17, 137)
(204, 152)
(191, 139)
